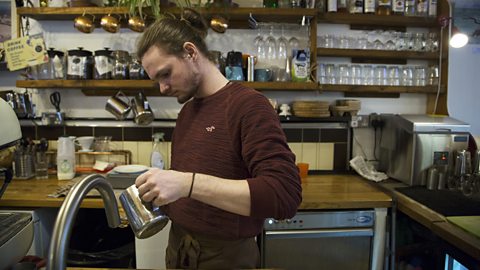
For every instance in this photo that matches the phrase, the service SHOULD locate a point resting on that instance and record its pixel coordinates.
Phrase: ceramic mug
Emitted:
(263, 75)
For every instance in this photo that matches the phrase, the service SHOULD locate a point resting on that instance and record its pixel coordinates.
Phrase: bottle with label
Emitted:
(342, 6)
(398, 7)
(156, 158)
(410, 7)
(332, 6)
(422, 7)
(384, 7)
(65, 158)
(369, 6)
(300, 68)
(355, 6)
(432, 8)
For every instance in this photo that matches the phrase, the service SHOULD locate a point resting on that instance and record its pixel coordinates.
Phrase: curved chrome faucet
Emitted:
(57, 254)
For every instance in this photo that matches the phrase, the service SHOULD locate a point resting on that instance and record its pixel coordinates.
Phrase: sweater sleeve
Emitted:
(275, 186)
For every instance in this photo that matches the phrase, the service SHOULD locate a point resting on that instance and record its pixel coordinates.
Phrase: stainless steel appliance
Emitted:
(320, 240)
(411, 144)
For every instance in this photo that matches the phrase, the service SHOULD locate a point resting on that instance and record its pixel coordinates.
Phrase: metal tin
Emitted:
(250, 68)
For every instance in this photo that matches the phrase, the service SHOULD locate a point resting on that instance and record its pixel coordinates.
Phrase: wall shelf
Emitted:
(378, 54)
(380, 89)
(378, 20)
(238, 17)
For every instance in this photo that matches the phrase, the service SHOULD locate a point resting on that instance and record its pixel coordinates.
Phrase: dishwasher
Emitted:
(324, 240)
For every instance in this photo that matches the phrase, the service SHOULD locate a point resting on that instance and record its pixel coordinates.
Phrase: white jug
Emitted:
(65, 158)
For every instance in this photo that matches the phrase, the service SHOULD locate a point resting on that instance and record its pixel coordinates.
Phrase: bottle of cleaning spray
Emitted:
(156, 159)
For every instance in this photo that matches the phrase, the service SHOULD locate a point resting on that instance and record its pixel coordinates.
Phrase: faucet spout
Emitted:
(57, 254)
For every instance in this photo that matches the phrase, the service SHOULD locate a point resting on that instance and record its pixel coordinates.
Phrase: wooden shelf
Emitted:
(377, 54)
(379, 89)
(238, 17)
(378, 20)
(110, 87)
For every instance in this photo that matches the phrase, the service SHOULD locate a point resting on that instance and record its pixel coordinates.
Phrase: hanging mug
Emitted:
(136, 23)
(110, 23)
(84, 23)
(118, 107)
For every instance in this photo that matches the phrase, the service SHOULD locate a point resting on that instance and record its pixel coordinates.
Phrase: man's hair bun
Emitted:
(195, 20)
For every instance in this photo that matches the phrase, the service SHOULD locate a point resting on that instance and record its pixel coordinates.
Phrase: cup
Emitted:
(263, 75)
(85, 143)
(145, 219)
(117, 106)
(41, 165)
(84, 23)
(303, 169)
(110, 23)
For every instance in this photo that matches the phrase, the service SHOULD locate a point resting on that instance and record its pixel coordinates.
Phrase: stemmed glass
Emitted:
(259, 44)
(271, 46)
(282, 50)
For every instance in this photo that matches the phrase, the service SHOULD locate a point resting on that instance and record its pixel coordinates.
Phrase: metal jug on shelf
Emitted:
(143, 114)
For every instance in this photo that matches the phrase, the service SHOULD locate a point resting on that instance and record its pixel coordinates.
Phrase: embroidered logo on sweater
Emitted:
(210, 129)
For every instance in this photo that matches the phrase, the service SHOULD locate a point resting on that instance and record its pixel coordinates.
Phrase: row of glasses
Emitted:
(382, 40)
(271, 45)
(392, 75)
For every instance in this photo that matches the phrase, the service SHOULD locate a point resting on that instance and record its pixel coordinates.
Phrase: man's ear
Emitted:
(190, 50)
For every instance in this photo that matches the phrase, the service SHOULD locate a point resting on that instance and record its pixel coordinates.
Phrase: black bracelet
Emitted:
(191, 186)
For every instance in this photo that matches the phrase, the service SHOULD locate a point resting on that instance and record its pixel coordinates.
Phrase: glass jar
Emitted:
(103, 67)
(56, 64)
(135, 68)
(79, 64)
(121, 61)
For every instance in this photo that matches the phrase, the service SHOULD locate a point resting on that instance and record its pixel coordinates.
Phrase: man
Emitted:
(231, 166)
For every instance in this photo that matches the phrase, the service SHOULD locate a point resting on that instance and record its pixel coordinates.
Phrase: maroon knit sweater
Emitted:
(234, 134)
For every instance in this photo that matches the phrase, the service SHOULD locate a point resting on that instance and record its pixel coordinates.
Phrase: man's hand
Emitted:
(162, 187)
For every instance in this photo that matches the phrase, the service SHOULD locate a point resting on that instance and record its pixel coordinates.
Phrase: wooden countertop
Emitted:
(319, 192)
(434, 221)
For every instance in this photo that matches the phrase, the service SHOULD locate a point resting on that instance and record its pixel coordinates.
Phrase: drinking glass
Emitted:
(259, 43)
(419, 42)
(432, 42)
(331, 73)
(344, 42)
(344, 74)
(282, 49)
(330, 41)
(362, 43)
(380, 75)
(419, 76)
(409, 41)
(400, 43)
(433, 75)
(393, 76)
(356, 74)
(293, 45)
(41, 165)
(271, 46)
(406, 78)
(367, 75)
(322, 73)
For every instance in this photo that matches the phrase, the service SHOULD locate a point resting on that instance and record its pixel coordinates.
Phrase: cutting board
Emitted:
(470, 224)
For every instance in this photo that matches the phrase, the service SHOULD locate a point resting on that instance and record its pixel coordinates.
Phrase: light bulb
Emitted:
(458, 40)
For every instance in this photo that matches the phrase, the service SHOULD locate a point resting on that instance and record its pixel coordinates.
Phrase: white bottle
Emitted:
(156, 158)
(65, 158)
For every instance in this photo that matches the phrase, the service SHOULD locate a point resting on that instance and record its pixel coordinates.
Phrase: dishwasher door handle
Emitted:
(318, 233)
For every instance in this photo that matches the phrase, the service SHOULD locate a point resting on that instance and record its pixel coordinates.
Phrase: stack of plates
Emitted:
(343, 106)
(311, 108)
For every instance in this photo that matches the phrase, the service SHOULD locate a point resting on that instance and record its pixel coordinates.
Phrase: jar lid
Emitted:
(104, 52)
(52, 53)
(79, 52)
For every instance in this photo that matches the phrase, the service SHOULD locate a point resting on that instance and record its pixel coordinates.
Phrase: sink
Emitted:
(16, 236)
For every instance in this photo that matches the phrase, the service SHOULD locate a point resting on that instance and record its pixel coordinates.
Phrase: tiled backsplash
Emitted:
(325, 146)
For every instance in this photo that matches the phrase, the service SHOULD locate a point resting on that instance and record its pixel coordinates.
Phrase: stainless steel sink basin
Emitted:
(16, 236)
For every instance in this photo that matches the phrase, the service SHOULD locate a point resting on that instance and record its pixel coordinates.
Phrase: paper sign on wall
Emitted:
(25, 51)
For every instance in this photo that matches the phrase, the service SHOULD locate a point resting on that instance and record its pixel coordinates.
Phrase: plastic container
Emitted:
(157, 158)
(65, 158)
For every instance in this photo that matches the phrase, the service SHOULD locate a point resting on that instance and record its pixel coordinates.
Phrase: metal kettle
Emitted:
(143, 114)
